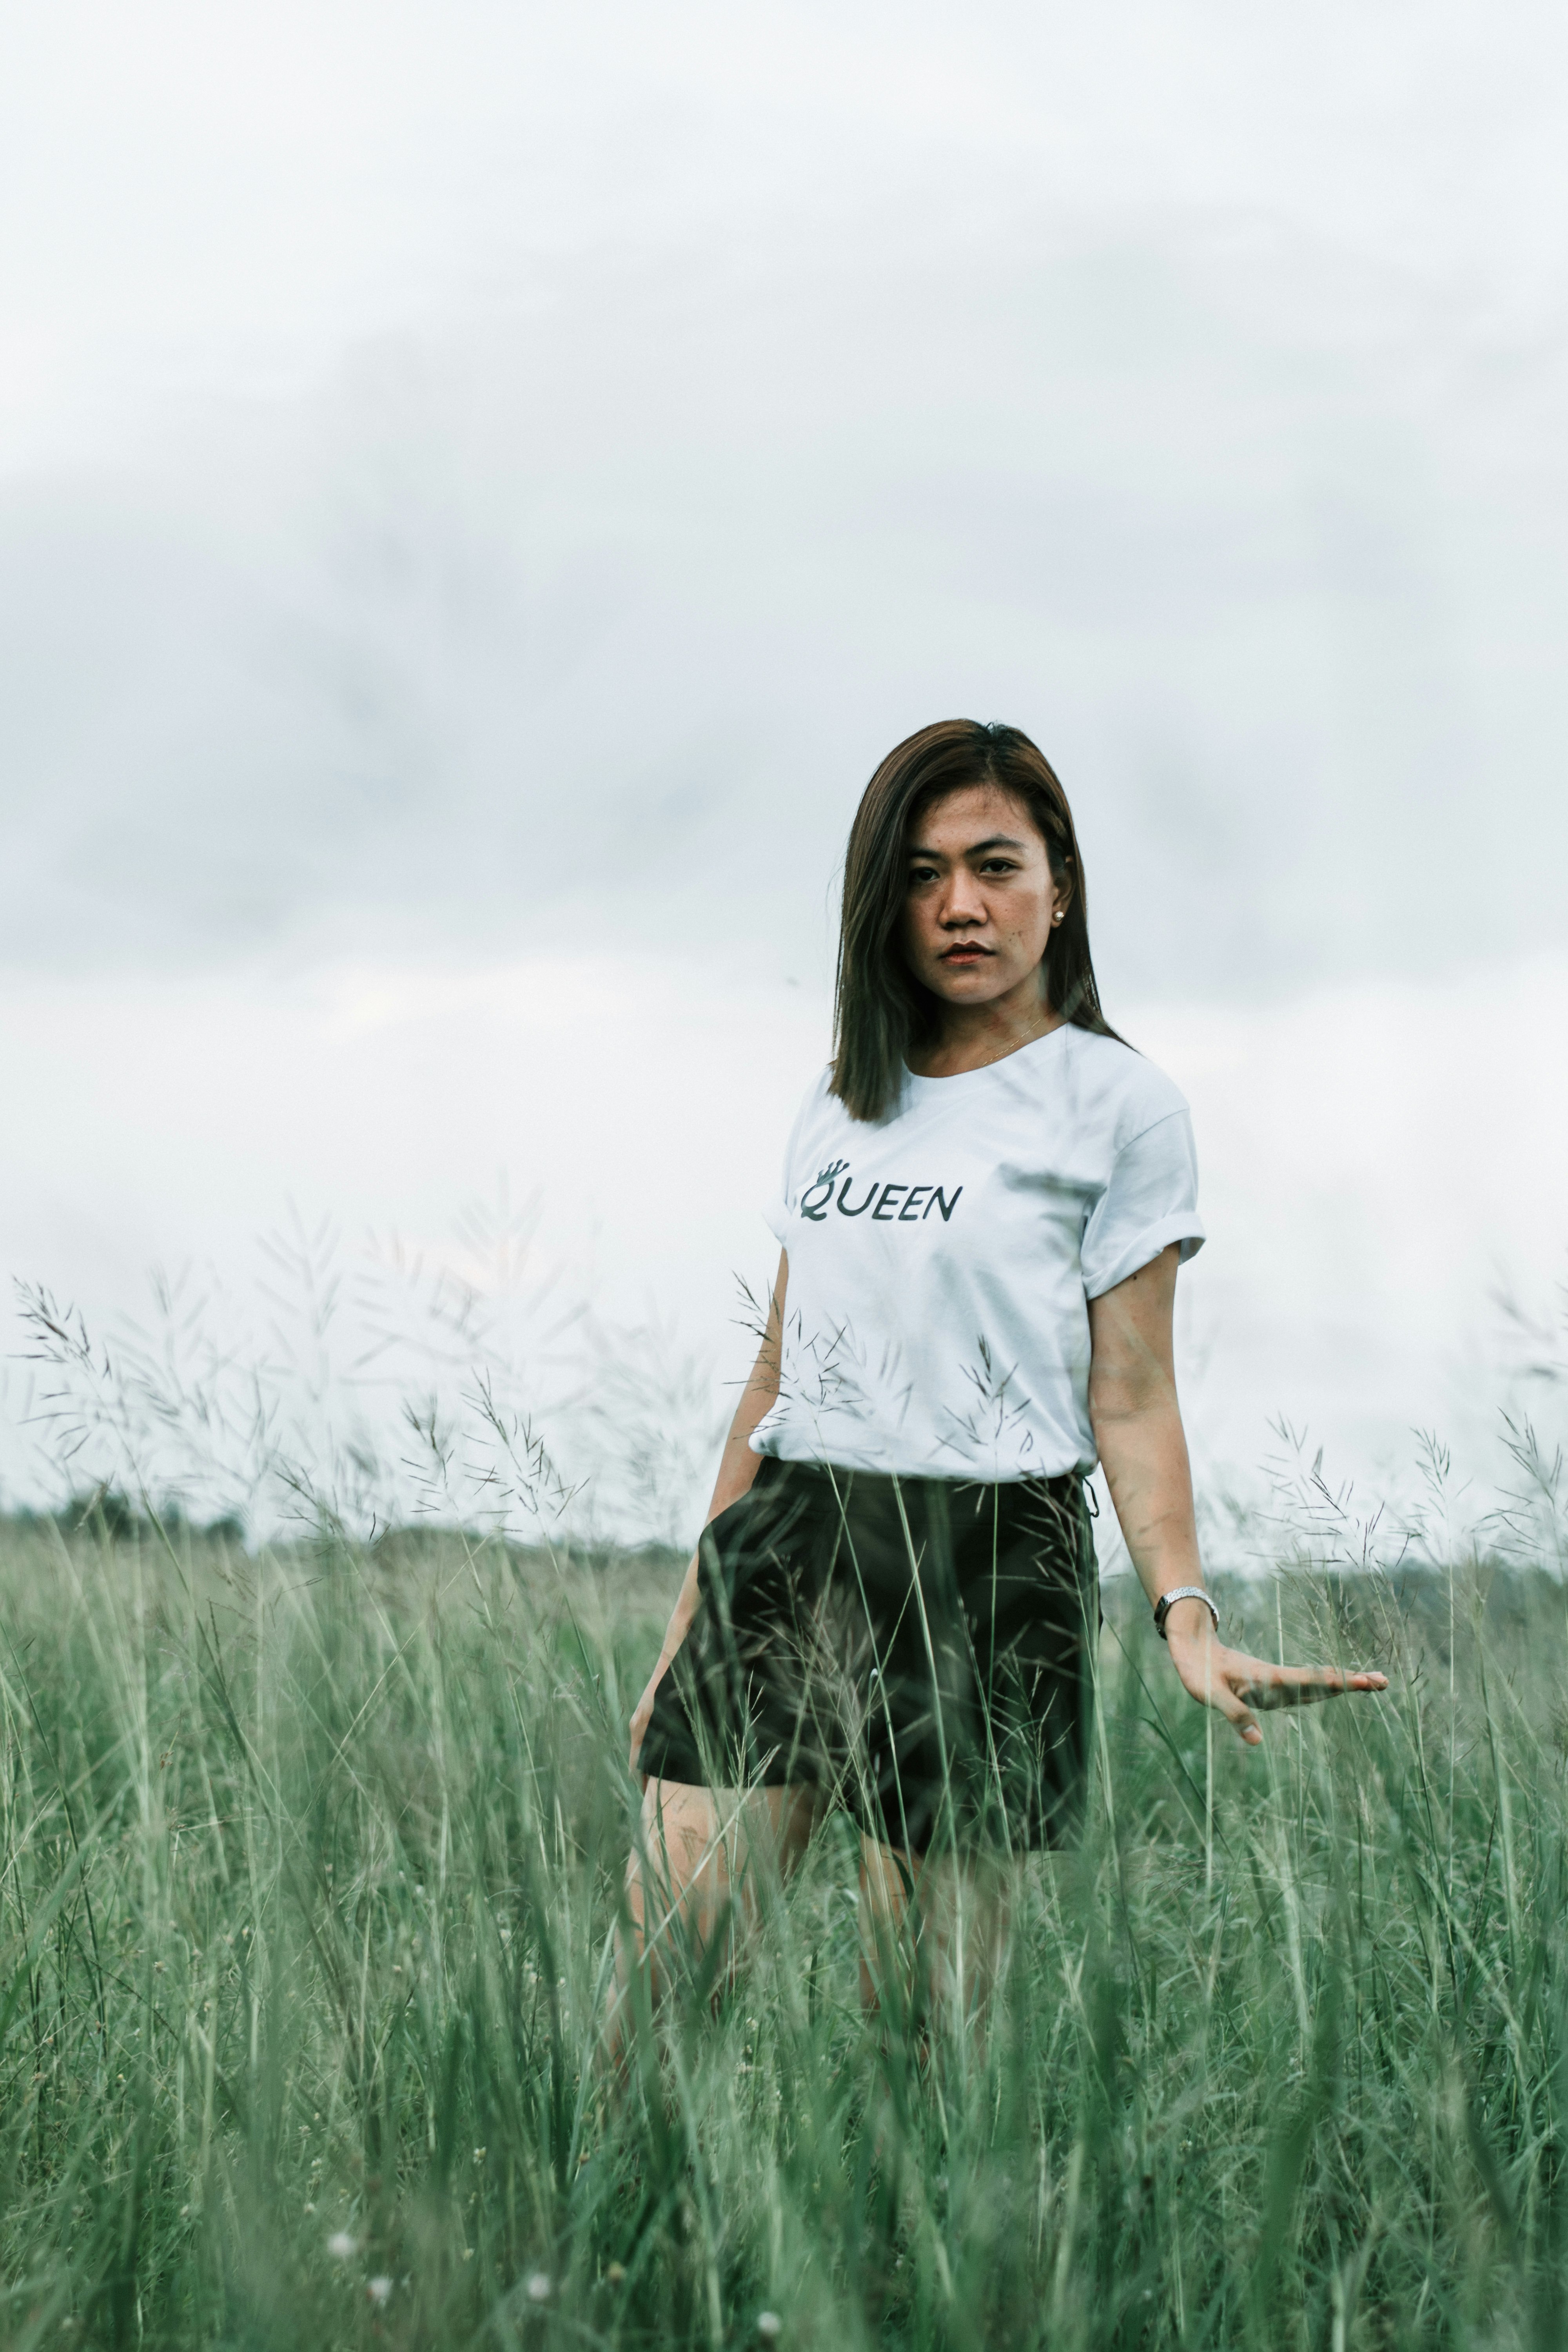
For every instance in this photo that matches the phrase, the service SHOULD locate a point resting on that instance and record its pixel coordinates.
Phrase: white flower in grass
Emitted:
(378, 2289)
(341, 2247)
(539, 2287)
(770, 2326)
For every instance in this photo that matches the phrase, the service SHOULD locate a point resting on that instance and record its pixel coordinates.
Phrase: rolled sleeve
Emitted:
(1150, 1202)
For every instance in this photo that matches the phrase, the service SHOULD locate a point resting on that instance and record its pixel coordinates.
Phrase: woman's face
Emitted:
(979, 898)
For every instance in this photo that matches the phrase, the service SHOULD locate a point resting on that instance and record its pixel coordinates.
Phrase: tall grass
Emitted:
(310, 1869)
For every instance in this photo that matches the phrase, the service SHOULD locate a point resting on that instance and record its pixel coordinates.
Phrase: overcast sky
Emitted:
(480, 488)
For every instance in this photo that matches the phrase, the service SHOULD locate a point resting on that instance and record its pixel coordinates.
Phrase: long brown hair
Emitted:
(880, 1009)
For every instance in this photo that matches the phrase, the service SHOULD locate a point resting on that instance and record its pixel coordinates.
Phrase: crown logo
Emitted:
(814, 1200)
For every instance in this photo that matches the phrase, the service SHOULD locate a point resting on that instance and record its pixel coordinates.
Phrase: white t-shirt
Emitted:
(941, 1260)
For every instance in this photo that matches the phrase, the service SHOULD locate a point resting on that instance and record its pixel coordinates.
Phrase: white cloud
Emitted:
(482, 488)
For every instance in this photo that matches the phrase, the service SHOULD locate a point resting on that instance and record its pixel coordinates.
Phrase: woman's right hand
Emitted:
(674, 1635)
(737, 1469)
(643, 1710)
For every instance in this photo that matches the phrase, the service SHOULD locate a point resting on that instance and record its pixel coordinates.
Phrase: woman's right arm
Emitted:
(737, 1469)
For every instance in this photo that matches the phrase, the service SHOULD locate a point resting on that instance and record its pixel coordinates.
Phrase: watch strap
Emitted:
(1167, 1602)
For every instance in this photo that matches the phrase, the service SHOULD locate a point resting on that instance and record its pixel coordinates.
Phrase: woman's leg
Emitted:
(701, 1863)
(933, 1932)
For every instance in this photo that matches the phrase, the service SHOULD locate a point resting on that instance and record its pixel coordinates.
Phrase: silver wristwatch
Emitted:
(1167, 1602)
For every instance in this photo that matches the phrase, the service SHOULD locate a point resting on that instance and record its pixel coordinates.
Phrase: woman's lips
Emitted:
(968, 953)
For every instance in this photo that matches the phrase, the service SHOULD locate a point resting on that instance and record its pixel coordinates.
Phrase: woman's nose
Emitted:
(963, 903)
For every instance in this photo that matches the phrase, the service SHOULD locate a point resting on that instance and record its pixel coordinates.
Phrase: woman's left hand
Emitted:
(1236, 1684)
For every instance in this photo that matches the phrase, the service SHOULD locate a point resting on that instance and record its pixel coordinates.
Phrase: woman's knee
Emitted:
(944, 1923)
(679, 1851)
(699, 1852)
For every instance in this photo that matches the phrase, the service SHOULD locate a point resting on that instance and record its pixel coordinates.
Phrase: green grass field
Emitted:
(309, 1869)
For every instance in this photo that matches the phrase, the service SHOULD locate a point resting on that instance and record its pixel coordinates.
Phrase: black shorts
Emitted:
(920, 1649)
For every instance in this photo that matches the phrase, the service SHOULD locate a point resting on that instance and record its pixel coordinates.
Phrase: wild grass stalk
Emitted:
(311, 1861)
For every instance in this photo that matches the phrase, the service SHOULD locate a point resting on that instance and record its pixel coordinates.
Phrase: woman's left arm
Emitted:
(1138, 1429)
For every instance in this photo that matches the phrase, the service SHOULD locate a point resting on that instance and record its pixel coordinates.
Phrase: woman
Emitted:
(985, 1200)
